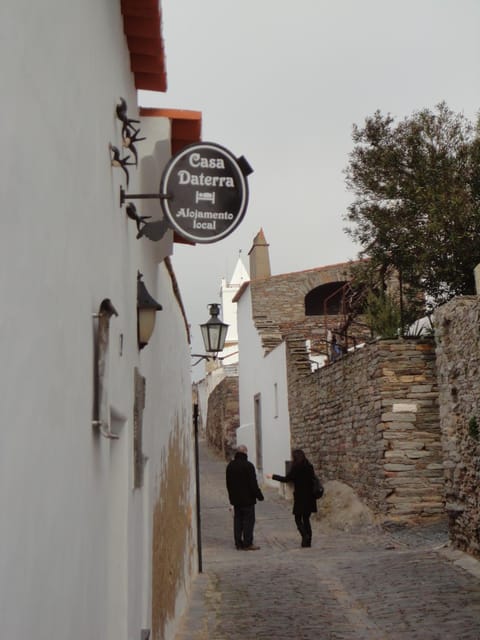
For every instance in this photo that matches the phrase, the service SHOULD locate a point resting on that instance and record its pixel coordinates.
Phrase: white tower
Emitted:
(229, 312)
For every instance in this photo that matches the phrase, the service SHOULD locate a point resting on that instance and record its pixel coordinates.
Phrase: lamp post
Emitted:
(214, 332)
(197, 486)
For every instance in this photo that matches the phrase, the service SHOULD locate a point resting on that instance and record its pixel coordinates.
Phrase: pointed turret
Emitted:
(259, 258)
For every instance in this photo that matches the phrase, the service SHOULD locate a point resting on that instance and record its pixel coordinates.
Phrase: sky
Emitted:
(282, 83)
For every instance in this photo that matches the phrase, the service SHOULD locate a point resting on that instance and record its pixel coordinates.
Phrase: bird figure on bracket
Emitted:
(123, 117)
(130, 136)
(129, 140)
(118, 161)
(131, 211)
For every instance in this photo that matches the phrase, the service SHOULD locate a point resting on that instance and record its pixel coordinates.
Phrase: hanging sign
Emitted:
(205, 192)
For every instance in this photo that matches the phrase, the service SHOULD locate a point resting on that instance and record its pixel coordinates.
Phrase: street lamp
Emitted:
(214, 332)
(147, 308)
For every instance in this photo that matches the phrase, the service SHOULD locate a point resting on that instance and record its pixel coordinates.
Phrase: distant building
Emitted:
(229, 355)
(310, 303)
(219, 412)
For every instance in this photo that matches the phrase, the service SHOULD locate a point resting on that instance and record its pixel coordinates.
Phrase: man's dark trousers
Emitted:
(243, 523)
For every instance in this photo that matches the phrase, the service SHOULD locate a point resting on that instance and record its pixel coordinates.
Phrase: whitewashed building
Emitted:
(226, 364)
(263, 390)
(97, 482)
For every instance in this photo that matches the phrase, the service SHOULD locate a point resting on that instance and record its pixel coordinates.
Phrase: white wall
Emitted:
(76, 538)
(259, 375)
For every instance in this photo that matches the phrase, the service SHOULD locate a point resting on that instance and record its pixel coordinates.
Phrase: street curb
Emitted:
(461, 559)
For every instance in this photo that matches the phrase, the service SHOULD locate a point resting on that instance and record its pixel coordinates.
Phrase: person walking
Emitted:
(243, 493)
(301, 474)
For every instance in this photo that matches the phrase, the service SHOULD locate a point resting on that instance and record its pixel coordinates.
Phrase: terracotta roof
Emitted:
(241, 291)
(142, 23)
(186, 125)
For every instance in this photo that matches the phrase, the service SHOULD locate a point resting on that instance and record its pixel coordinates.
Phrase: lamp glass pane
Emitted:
(223, 335)
(146, 324)
(214, 334)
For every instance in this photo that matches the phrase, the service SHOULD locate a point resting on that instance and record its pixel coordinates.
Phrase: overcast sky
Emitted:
(282, 83)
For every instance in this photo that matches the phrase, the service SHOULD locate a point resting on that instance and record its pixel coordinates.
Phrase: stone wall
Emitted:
(223, 416)
(458, 361)
(371, 420)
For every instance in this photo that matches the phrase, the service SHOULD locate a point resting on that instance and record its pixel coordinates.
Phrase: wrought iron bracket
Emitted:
(208, 358)
(141, 196)
(105, 432)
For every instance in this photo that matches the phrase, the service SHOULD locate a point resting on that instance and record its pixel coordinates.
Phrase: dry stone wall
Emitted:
(371, 420)
(223, 417)
(457, 326)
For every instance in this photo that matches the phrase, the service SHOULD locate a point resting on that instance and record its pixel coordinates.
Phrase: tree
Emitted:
(417, 200)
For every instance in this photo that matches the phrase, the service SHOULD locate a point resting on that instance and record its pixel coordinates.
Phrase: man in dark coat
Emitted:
(243, 493)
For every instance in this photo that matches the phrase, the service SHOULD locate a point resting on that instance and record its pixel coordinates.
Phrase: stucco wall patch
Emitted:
(172, 533)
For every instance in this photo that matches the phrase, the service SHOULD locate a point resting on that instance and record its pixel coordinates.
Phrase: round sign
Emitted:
(204, 192)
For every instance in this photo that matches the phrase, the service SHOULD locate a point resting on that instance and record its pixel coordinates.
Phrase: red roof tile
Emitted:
(142, 23)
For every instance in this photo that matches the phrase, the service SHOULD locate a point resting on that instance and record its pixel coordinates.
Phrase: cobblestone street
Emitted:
(374, 584)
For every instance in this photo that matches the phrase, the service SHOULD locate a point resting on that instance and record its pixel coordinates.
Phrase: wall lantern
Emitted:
(214, 331)
(147, 308)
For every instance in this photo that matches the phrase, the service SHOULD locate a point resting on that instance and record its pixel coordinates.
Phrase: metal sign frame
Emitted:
(207, 192)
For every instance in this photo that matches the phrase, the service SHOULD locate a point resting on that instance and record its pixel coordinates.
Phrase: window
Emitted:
(257, 403)
(275, 400)
(138, 407)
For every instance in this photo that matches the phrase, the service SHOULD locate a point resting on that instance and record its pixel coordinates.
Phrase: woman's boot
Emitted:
(301, 531)
(306, 541)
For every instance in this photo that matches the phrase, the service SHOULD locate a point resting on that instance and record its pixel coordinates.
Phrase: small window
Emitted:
(275, 400)
(138, 407)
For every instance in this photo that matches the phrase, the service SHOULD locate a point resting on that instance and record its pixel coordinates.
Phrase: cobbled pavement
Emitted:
(377, 583)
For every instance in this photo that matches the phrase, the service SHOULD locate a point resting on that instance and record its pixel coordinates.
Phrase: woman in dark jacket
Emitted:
(304, 504)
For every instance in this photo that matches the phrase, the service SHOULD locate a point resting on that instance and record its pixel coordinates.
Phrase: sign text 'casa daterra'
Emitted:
(207, 192)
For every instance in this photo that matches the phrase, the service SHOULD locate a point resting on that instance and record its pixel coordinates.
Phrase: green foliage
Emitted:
(473, 428)
(390, 309)
(417, 200)
(382, 315)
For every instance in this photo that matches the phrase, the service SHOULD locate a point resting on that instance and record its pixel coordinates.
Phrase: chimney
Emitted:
(259, 258)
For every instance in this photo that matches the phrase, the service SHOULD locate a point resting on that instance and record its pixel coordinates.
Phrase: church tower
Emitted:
(229, 311)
